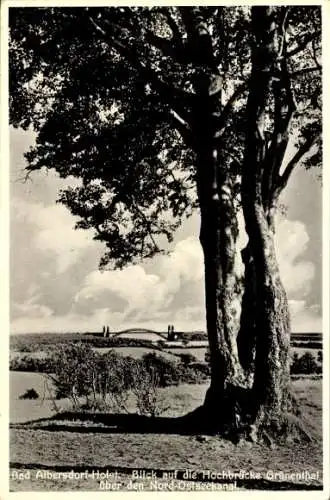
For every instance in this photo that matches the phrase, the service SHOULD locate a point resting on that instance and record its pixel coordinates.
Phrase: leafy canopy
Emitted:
(110, 93)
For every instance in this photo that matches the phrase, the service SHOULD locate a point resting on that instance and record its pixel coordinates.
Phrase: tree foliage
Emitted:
(110, 93)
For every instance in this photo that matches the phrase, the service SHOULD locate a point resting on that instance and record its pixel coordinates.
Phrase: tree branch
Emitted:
(228, 107)
(182, 127)
(97, 27)
(26, 177)
(305, 71)
(285, 13)
(178, 100)
(303, 43)
(304, 149)
(188, 19)
(235, 159)
(314, 49)
(284, 107)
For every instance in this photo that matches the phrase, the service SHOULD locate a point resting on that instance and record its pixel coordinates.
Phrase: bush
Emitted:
(187, 358)
(73, 371)
(29, 394)
(305, 364)
(167, 372)
(97, 381)
(203, 369)
(115, 377)
(149, 400)
(172, 373)
(28, 363)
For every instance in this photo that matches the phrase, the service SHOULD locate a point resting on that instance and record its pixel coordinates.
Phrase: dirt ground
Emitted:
(84, 457)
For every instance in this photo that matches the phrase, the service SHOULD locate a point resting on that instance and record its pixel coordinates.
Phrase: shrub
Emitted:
(115, 377)
(149, 400)
(202, 369)
(187, 358)
(305, 364)
(168, 372)
(29, 394)
(189, 336)
(28, 363)
(96, 381)
(73, 371)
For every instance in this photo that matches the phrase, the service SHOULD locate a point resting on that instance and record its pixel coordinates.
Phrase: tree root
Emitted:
(231, 417)
(290, 427)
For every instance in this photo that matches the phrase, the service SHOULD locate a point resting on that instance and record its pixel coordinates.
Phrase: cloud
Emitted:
(175, 289)
(33, 310)
(291, 242)
(185, 262)
(305, 318)
(133, 285)
(56, 285)
(146, 295)
(53, 231)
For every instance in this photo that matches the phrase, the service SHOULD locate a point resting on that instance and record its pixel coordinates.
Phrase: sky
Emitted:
(55, 284)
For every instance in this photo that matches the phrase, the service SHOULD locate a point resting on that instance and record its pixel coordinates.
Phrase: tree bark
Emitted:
(272, 361)
(218, 233)
(246, 338)
(218, 236)
(218, 240)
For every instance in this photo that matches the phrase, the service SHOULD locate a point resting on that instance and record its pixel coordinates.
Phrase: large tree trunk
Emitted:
(218, 235)
(218, 240)
(272, 360)
(218, 232)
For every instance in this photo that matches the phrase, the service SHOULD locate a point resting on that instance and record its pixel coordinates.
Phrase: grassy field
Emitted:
(137, 352)
(89, 449)
(22, 410)
(198, 352)
(180, 399)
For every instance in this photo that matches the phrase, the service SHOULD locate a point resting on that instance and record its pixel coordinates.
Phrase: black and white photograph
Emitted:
(166, 248)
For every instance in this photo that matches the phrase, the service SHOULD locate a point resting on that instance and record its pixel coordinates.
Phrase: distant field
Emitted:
(28, 339)
(171, 354)
(317, 336)
(198, 352)
(137, 352)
